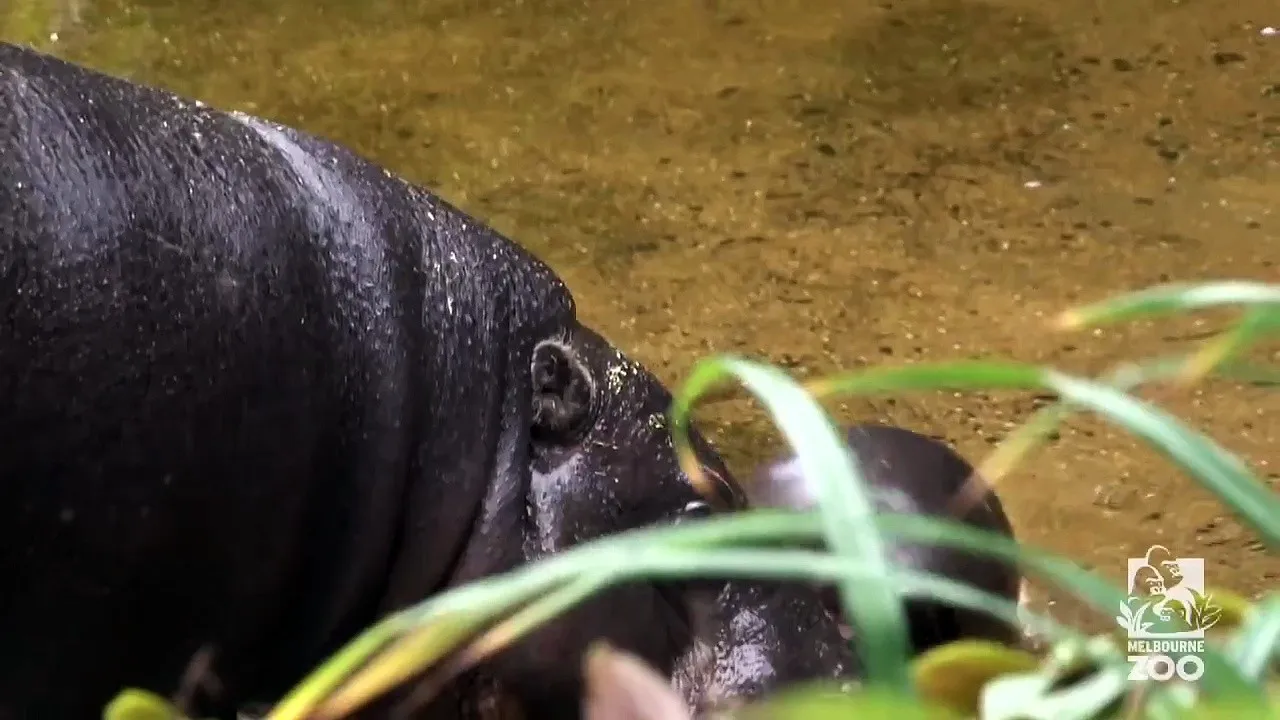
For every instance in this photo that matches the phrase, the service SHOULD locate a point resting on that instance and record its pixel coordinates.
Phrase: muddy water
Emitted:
(824, 183)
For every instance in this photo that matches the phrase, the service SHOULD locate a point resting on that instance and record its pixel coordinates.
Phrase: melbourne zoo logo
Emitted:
(1166, 615)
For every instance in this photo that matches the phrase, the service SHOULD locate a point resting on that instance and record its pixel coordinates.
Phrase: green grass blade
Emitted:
(1215, 468)
(846, 507)
(1255, 647)
(313, 690)
(489, 597)
(539, 612)
(1249, 373)
(1220, 674)
(418, 637)
(1171, 298)
(817, 567)
(958, 375)
(1095, 591)
(1257, 322)
(608, 561)
(1037, 428)
(384, 672)
(1065, 574)
(1127, 376)
(140, 705)
(695, 540)
(1042, 423)
(420, 648)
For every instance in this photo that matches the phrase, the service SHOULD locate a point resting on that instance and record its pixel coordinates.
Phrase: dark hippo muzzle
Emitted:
(603, 461)
(758, 638)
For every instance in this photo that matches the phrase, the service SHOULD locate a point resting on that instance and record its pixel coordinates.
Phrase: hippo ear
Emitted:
(562, 392)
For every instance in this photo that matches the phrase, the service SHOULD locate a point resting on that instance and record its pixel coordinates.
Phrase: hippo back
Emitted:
(234, 360)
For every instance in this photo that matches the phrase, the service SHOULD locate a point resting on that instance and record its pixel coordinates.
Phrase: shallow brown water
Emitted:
(824, 183)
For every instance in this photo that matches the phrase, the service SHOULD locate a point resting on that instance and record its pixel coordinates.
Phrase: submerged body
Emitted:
(260, 392)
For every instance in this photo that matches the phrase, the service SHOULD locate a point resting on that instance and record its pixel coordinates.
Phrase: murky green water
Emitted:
(826, 183)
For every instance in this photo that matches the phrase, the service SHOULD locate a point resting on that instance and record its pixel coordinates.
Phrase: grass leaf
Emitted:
(1255, 648)
(140, 705)
(412, 641)
(1217, 470)
(1043, 422)
(1170, 298)
(1257, 322)
(954, 674)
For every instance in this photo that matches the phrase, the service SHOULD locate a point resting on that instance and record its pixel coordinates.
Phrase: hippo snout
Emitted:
(758, 638)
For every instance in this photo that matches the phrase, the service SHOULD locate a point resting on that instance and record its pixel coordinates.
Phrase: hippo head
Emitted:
(602, 456)
(602, 461)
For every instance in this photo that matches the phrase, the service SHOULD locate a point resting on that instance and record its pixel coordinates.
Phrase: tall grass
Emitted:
(451, 632)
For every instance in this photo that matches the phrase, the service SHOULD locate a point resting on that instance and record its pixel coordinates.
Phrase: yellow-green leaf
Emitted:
(135, 704)
(953, 675)
(1234, 610)
(1170, 298)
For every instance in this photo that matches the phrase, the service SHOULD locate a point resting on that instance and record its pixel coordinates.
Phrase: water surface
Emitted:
(824, 183)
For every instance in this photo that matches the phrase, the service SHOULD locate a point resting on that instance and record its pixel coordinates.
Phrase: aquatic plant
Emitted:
(1078, 678)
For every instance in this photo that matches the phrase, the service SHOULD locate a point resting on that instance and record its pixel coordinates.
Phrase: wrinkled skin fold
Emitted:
(258, 392)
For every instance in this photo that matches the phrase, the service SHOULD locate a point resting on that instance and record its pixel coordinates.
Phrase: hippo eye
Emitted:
(693, 510)
(562, 391)
(697, 509)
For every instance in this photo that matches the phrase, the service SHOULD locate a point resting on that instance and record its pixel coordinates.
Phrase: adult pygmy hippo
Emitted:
(259, 392)
(910, 473)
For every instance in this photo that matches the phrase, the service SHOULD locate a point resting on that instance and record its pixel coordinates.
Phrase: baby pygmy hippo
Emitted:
(910, 473)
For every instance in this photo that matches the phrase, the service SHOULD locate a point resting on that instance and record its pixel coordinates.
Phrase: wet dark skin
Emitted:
(260, 392)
